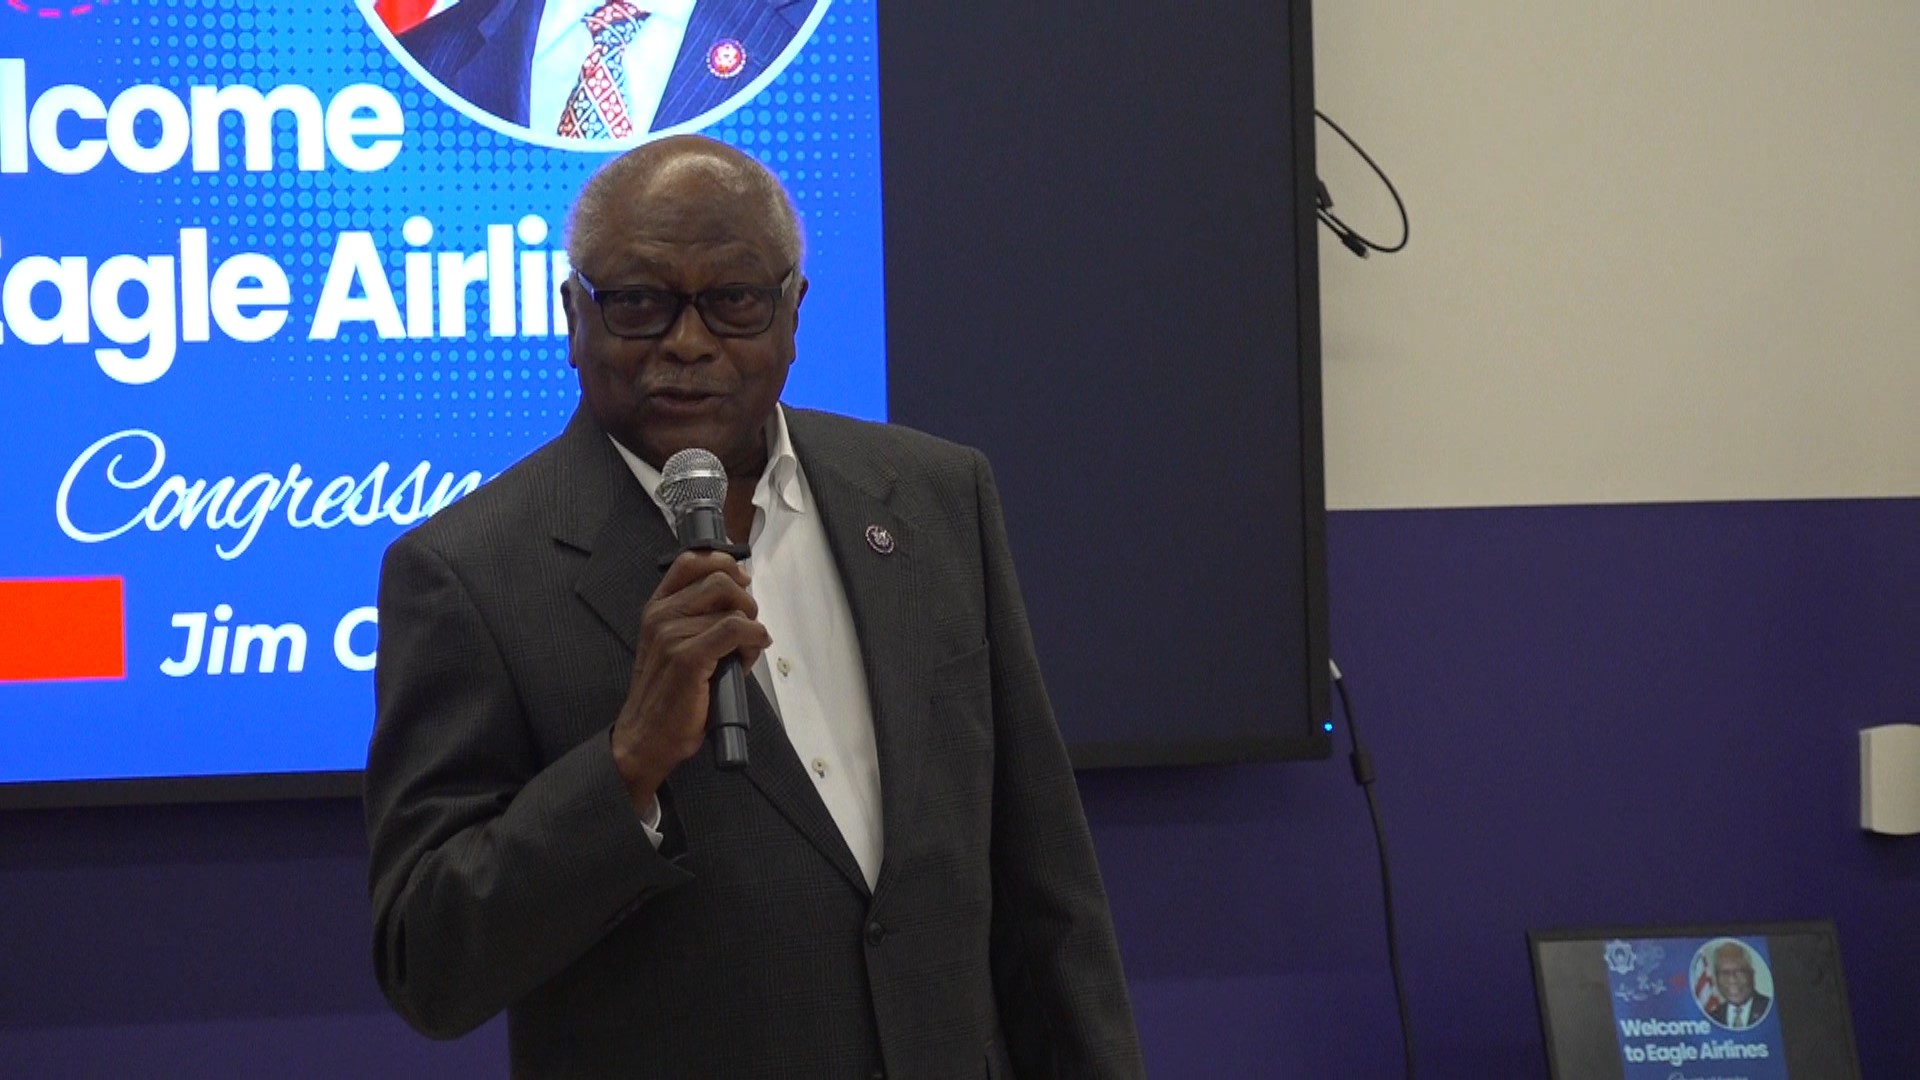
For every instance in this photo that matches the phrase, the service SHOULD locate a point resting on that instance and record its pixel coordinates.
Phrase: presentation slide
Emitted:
(1695, 1003)
(278, 281)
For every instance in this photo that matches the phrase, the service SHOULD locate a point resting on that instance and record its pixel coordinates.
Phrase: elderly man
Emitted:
(901, 881)
(1740, 1005)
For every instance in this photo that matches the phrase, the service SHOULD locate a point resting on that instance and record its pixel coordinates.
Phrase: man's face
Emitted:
(688, 387)
(1734, 976)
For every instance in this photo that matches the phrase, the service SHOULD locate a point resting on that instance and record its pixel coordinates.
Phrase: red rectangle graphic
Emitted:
(62, 628)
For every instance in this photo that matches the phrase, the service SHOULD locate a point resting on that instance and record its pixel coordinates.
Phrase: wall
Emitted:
(1579, 715)
(1661, 252)
(1628, 551)
(1658, 307)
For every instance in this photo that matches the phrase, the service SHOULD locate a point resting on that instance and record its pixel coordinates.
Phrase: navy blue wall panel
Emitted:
(1579, 714)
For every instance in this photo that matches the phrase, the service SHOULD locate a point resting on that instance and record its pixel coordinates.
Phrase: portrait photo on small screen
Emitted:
(1683, 1003)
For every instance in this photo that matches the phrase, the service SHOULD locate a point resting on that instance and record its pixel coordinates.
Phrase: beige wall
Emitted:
(1661, 251)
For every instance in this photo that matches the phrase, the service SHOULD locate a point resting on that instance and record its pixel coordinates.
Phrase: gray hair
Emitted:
(732, 172)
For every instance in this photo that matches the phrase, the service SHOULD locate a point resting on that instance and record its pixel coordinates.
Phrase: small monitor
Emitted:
(1752, 1001)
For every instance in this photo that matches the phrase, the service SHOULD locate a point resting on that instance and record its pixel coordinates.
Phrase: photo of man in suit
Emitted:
(1739, 1005)
(900, 882)
(603, 70)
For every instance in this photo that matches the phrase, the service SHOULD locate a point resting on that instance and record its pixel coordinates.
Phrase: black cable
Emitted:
(1323, 204)
(1363, 775)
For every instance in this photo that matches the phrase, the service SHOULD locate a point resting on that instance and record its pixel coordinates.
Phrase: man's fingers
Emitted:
(701, 651)
(692, 566)
(698, 644)
(713, 594)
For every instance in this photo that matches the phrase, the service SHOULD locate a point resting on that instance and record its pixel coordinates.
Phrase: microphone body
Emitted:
(694, 486)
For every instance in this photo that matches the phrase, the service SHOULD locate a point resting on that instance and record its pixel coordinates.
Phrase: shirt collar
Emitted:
(572, 11)
(779, 480)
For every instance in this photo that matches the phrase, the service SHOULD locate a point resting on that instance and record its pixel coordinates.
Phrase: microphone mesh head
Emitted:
(692, 476)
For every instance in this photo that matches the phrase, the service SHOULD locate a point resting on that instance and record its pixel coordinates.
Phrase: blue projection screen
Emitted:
(277, 281)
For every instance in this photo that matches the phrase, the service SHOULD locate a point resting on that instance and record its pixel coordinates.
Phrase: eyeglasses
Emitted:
(733, 311)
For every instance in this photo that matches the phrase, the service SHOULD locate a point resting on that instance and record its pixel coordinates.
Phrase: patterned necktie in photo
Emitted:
(597, 108)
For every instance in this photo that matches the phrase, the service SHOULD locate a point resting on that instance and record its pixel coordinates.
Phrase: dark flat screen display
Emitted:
(278, 281)
(1102, 271)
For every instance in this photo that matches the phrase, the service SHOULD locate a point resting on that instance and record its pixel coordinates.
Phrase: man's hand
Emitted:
(699, 615)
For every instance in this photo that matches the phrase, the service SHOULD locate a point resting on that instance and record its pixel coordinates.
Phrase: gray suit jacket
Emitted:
(509, 869)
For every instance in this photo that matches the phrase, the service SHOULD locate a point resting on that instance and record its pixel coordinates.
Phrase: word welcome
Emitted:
(360, 127)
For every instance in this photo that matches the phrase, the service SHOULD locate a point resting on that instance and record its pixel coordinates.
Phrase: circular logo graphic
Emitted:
(1619, 956)
(593, 75)
(727, 59)
(1732, 984)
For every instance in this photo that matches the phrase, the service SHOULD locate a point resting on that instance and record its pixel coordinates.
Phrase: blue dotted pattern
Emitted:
(816, 125)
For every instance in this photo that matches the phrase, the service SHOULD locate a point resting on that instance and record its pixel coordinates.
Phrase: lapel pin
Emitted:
(880, 539)
(727, 58)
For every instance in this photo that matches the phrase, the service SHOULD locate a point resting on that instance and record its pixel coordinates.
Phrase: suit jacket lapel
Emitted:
(761, 29)
(602, 510)
(855, 495)
(599, 498)
(483, 51)
(775, 769)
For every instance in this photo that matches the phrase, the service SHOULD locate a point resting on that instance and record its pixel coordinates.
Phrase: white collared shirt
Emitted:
(812, 674)
(562, 44)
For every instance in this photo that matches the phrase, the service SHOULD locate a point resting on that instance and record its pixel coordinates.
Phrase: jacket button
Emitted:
(875, 933)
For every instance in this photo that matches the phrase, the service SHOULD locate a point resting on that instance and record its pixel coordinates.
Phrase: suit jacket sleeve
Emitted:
(1062, 996)
(477, 897)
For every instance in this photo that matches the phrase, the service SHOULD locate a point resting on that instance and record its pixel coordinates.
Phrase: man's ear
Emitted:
(569, 299)
(798, 297)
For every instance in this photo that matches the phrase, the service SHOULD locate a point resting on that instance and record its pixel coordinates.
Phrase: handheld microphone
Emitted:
(693, 484)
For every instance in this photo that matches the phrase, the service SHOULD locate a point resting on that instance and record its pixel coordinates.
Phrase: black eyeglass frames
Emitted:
(734, 310)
